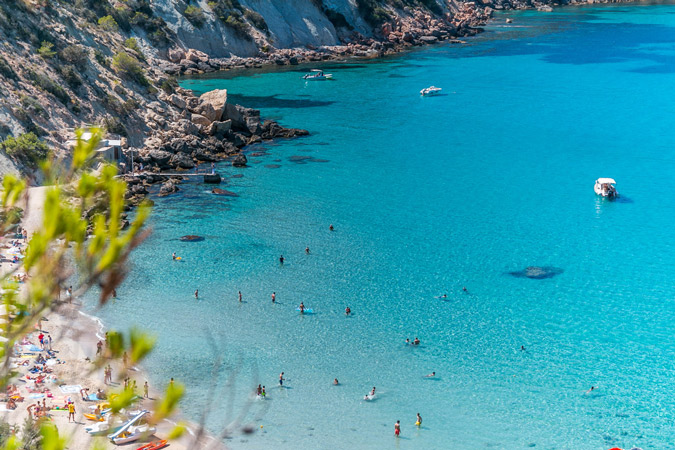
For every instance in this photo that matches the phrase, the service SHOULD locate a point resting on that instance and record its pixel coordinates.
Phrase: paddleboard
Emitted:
(307, 310)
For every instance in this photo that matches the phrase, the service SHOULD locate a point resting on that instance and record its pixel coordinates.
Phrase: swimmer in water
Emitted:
(302, 308)
(173, 256)
(419, 420)
(464, 289)
(372, 393)
(416, 342)
(444, 296)
(431, 375)
(197, 293)
(331, 227)
(348, 311)
(407, 341)
(274, 297)
(281, 259)
(307, 250)
(590, 390)
(522, 348)
(336, 382)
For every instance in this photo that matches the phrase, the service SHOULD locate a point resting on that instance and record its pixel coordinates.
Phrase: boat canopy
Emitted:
(606, 181)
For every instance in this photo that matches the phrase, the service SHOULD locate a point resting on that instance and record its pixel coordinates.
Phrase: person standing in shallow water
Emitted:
(331, 227)
(281, 260)
(307, 250)
(239, 296)
(281, 379)
(197, 294)
(419, 420)
(397, 428)
(274, 297)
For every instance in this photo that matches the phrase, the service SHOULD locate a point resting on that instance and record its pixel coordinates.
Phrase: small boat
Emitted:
(317, 74)
(605, 187)
(156, 445)
(431, 90)
(133, 434)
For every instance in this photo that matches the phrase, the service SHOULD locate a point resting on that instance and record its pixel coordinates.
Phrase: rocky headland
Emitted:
(115, 64)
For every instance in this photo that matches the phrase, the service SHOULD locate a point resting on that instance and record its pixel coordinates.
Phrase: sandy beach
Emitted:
(74, 338)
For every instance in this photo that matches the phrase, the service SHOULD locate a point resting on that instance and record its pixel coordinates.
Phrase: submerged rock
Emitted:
(537, 273)
(239, 160)
(224, 192)
(191, 238)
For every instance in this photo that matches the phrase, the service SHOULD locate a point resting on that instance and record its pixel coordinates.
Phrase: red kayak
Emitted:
(153, 445)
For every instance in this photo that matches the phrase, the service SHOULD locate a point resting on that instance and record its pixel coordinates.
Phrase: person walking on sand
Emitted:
(419, 420)
(397, 428)
(99, 347)
(281, 379)
(146, 390)
(71, 411)
(274, 297)
(70, 294)
(239, 296)
(197, 294)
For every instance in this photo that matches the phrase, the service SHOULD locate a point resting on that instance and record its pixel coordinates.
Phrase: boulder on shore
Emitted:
(198, 119)
(212, 104)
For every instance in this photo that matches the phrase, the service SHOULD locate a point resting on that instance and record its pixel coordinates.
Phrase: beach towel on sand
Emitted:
(70, 388)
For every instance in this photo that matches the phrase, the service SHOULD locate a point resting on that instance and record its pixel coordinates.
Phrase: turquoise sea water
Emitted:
(428, 195)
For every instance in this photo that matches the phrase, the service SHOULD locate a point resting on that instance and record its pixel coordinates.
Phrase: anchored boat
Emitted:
(316, 75)
(605, 187)
(431, 90)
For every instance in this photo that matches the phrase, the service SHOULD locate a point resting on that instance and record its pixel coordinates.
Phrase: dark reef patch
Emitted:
(537, 273)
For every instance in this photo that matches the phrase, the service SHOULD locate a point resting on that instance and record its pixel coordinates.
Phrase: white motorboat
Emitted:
(605, 187)
(317, 74)
(431, 90)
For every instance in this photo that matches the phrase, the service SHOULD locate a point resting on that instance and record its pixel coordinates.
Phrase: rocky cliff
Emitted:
(72, 63)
